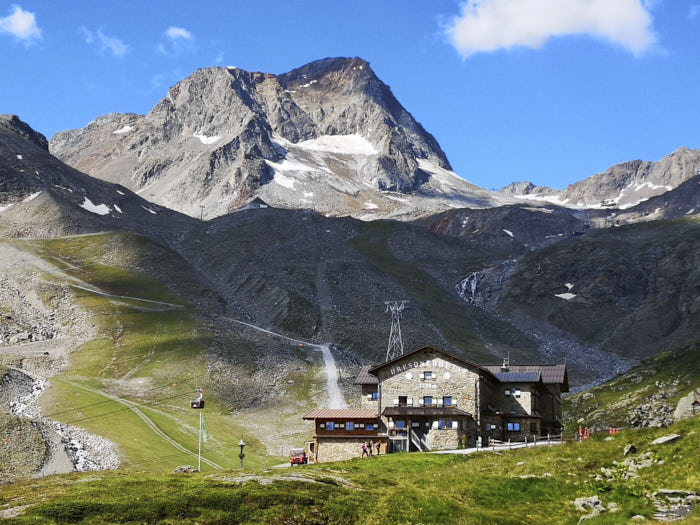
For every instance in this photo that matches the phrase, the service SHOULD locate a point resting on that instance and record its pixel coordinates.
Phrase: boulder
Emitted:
(684, 408)
(666, 439)
(589, 503)
(186, 469)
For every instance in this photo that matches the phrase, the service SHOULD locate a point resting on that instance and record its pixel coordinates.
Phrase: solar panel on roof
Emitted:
(518, 377)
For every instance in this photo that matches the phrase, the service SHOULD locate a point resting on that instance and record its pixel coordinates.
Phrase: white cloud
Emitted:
(175, 42)
(219, 58)
(173, 33)
(105, 42)
(21, 24)
(694, 11)
(488, 25)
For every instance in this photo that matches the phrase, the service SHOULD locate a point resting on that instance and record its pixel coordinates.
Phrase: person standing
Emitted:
(364, 450)
(370, 447)
(379, 447)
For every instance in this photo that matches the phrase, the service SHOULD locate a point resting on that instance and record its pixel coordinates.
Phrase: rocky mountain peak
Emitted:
(15, 125)
(329, 136)
(341, 72)
(524, 188)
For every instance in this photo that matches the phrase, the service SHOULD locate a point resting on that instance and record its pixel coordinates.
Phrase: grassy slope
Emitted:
(401, 488)
(612, 402)
(444, 311)
(155, 358)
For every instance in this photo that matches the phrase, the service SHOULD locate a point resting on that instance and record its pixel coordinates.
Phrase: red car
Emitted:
(297, 456)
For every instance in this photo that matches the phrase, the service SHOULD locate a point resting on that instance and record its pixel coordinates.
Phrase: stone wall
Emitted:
(340, 449)
(513, 404)
(445, 439)
(364, 401)
(525, 430)
(501, 432)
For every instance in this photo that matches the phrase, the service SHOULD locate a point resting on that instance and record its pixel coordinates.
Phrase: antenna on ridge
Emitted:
(395, 347)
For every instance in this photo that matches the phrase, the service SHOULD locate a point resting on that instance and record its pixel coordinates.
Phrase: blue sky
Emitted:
(551, 91)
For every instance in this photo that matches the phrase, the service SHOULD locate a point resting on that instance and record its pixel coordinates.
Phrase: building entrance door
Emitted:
(418, 439)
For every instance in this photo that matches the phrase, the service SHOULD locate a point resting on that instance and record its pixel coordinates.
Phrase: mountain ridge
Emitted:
(224, 135)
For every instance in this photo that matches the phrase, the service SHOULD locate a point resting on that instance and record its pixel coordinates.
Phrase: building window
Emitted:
(403, 401)
(516, 392)
(330, 426)
(428, 401)
(374, 396)
(444, 423)
(513, 427)
(400, 425)
(507, 393)
(350, 425)
(321, 425)
(426, 375)
(490, 427)
(447, 401)
(369, 426)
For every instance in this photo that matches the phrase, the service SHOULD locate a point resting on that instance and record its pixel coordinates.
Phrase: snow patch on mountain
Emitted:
(205, 139)
(122, 130)
(287, 182)
(344, 144)
(32, 196)
(441, 174)
(99, 209)
(288, 165)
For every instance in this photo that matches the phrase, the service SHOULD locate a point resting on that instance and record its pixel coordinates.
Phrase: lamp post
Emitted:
(241, 444)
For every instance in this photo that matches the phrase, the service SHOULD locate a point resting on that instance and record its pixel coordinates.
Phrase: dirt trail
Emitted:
(134, 407)
(335, 394)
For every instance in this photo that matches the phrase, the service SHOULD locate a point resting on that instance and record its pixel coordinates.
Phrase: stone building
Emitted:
(429, 399)
(340, 433)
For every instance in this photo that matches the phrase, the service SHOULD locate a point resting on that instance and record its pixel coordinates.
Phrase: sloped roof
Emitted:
(519, 377)
(341, 413)
(364, 377)
(258, 201)
(372, 370)
(551, 374)
(425, 411)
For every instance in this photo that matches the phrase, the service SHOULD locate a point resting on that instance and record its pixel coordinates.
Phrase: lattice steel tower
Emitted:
(395, 347)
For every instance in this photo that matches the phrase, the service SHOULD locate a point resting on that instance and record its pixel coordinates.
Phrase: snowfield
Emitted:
(99, 209)
(344, 144)
(125, 129)
(206, 140)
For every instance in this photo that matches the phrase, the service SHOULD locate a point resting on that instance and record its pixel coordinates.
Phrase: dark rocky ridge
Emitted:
(42, 197)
